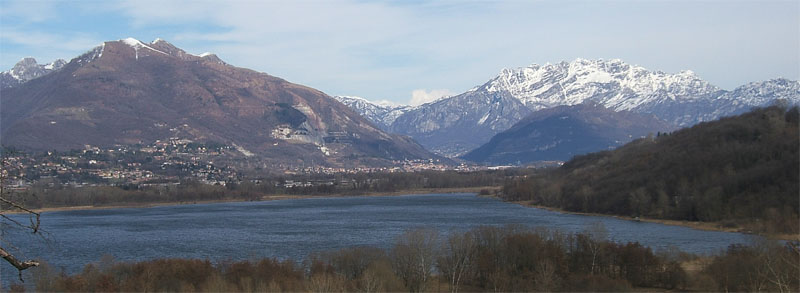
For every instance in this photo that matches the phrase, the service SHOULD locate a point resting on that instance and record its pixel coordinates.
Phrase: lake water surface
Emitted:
(295, 228)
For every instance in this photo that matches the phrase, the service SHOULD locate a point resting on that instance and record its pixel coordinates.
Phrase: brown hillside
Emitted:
(128, 92)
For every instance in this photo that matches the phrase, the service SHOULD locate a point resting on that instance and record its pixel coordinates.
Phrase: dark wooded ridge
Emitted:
(741, 171)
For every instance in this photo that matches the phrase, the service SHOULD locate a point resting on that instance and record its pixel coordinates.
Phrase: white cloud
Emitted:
(390, 48)
(422, 96)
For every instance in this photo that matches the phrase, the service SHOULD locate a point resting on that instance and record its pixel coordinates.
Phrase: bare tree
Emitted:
(597, 239)
(780, 264)
(545, 276)
(8, 205)
(413, 257)
(325, 282)
(369, 282)
(458, 254)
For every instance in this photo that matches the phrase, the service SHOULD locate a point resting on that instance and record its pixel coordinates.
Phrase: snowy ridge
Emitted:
(612, 83)
(382, 113)
(762, 92)
(457, 124)
(158, 45)
(754, 94)
(681, 98)
(138, 45)
(26, 70)
(93, 54)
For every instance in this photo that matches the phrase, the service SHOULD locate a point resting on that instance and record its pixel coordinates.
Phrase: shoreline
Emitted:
(705, 226)
(270, 197)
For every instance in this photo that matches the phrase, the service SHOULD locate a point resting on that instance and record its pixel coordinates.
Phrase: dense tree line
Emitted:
(45, 195)
(495, 259)
(739, 171)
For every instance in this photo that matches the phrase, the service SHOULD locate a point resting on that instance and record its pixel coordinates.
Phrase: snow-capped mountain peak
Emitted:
(55, 65)
(138, 45)
(380, 103)
(28, 69)
(612, 83)
(454, 125)
(382, 113)
(158, 47)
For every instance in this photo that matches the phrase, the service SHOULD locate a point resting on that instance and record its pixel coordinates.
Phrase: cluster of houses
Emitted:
(161, 161)
(164, 162)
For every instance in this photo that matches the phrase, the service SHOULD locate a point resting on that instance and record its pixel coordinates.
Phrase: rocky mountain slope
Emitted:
(382, 114)
(682, 99)
(129, 92)
(561, 132)
(455, 125)
(612, 83)
(27, 69)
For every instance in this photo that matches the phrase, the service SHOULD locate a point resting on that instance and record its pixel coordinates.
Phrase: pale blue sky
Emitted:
(388, 50)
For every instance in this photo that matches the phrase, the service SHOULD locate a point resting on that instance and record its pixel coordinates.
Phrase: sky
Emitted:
(415, 51)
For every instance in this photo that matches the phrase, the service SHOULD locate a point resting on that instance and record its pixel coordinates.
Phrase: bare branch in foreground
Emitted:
(20, 265)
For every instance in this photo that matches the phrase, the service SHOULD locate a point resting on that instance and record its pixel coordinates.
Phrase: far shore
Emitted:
(707, 226)
(270, 197)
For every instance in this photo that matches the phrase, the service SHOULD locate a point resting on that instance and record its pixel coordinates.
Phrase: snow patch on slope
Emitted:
(138, 45)
(612, 83)
(28, 69)
(382, 113)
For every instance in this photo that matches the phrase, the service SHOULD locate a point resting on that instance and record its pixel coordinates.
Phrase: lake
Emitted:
(295, 228)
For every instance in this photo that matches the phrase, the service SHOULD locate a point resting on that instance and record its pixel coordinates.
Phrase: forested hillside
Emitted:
(740, 171)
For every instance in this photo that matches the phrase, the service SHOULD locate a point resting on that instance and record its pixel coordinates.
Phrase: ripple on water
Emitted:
(294, 228)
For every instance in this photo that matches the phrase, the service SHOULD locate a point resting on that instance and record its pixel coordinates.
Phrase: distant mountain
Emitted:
(754, 94)
(128, 92)
(738, 170)
(612, 83)
(455, 125)
(27, 69)
(561, 132)
(382, 114)
(682, 99)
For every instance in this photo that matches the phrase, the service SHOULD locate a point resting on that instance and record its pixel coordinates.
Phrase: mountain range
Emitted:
(27, 69)
(130, 92)
(127, 91)
(561, 132)
(458, 124)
